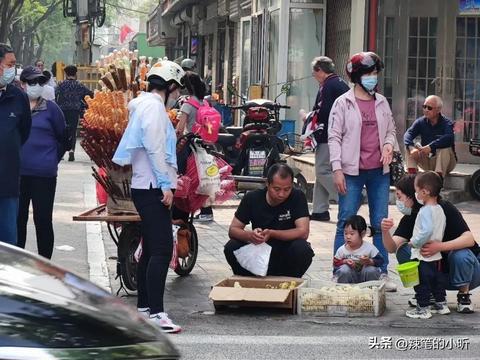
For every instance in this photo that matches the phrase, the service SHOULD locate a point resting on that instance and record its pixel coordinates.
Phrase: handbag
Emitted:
(397, 168)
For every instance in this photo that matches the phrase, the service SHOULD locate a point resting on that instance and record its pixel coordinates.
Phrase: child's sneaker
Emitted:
(412, 302)
(440, 308)
(144, 312)
(464, 304)
(419, 313)
(163, 321)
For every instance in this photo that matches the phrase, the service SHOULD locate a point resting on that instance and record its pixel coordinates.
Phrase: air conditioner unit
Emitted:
(159, 30)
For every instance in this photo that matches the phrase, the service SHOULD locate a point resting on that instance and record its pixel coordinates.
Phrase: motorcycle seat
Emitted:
(234, 130)
(226, 139)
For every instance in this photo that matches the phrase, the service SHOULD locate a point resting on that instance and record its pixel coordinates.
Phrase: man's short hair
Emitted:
(70, 70)
(431, 181)
(39, 61)
(323, 63)
(280, 169)
(4, 50)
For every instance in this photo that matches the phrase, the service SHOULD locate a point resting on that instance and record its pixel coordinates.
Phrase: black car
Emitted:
(47, 312)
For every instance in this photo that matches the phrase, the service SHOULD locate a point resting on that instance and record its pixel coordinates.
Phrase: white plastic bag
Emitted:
(208, 172)
(254, 258)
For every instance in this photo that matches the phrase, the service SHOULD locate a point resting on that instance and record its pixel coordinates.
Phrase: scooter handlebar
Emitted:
(268, 106)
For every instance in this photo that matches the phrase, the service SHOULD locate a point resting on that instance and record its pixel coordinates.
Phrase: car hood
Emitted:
(46, 306)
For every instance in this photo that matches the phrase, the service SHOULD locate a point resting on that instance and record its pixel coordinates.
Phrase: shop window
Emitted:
(388, 59)
(422, 63)
(305, 43)
(467, 77)
(245, 61)
(273, 53)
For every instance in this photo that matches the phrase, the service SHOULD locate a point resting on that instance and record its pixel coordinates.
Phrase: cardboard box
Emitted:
(253, 292)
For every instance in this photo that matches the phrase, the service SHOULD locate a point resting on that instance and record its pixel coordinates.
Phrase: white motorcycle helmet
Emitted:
(168, 71)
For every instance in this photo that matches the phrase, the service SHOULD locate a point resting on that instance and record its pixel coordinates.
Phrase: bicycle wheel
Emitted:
(127, 244)
(185, 265)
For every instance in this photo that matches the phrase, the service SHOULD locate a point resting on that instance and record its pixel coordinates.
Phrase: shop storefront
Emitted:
(433, 47)
(278, 42)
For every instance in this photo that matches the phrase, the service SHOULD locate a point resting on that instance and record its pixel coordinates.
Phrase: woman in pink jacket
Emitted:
(361, 135)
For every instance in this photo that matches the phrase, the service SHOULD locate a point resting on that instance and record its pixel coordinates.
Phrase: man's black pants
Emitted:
(41, 192)
(432, 281)
(71, 118)
(288, 258)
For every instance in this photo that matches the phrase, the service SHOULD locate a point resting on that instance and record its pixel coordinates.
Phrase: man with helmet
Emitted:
(188, 64)
(149, 145)
(331, 87)
(361, 135)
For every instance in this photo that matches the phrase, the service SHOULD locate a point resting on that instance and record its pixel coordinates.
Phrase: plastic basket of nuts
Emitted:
(350, 300)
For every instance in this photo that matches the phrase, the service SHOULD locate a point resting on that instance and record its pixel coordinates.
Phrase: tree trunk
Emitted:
(9, 9)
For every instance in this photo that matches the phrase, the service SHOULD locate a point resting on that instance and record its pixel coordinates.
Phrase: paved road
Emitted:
(253, 335)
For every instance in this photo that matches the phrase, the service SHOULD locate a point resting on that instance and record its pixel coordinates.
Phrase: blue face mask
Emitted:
(403, 208)
(8, 76)
(369, 82)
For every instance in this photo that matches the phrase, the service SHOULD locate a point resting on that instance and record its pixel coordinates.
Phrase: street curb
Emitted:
(98, 270)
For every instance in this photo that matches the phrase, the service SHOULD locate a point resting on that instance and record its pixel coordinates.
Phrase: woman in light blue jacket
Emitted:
(149, 145)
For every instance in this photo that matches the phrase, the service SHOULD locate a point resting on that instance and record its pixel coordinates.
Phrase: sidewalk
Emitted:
(187, 298)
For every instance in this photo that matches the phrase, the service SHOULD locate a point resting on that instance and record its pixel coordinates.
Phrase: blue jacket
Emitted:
(39, 155)
(150, 129)
(15, 122)
(329, 91)
(439, 136)
(70, 94)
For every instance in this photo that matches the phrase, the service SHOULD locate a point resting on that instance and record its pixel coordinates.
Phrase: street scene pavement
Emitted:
(86, 248)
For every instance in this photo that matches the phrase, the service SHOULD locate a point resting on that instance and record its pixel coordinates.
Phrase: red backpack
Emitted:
(207, 121)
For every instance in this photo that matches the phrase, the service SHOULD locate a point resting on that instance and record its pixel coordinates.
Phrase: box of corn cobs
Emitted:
(349, 300)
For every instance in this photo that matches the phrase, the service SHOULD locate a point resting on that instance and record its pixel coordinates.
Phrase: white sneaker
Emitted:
(144, 312)
(163, 322)
(390, 286)
(419, 313)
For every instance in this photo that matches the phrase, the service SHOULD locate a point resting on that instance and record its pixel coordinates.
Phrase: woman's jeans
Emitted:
(156, 229)
(377, 185)
(463, 267)
(40, 191)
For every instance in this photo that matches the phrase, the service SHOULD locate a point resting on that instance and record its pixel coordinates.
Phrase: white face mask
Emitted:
(34, 91)
(8, 76)
(172, 99)
(404, 209)
(418, 200)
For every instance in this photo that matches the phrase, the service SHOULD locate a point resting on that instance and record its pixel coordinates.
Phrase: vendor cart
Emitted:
(125, 233)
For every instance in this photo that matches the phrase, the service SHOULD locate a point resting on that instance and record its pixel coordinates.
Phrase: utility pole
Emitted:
(87, 14)
(83, 34)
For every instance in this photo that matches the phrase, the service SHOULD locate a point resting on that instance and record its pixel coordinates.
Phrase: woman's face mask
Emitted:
(404, 209)
(34, 91)
(369, 82)
(172, 99)
(7, 76)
